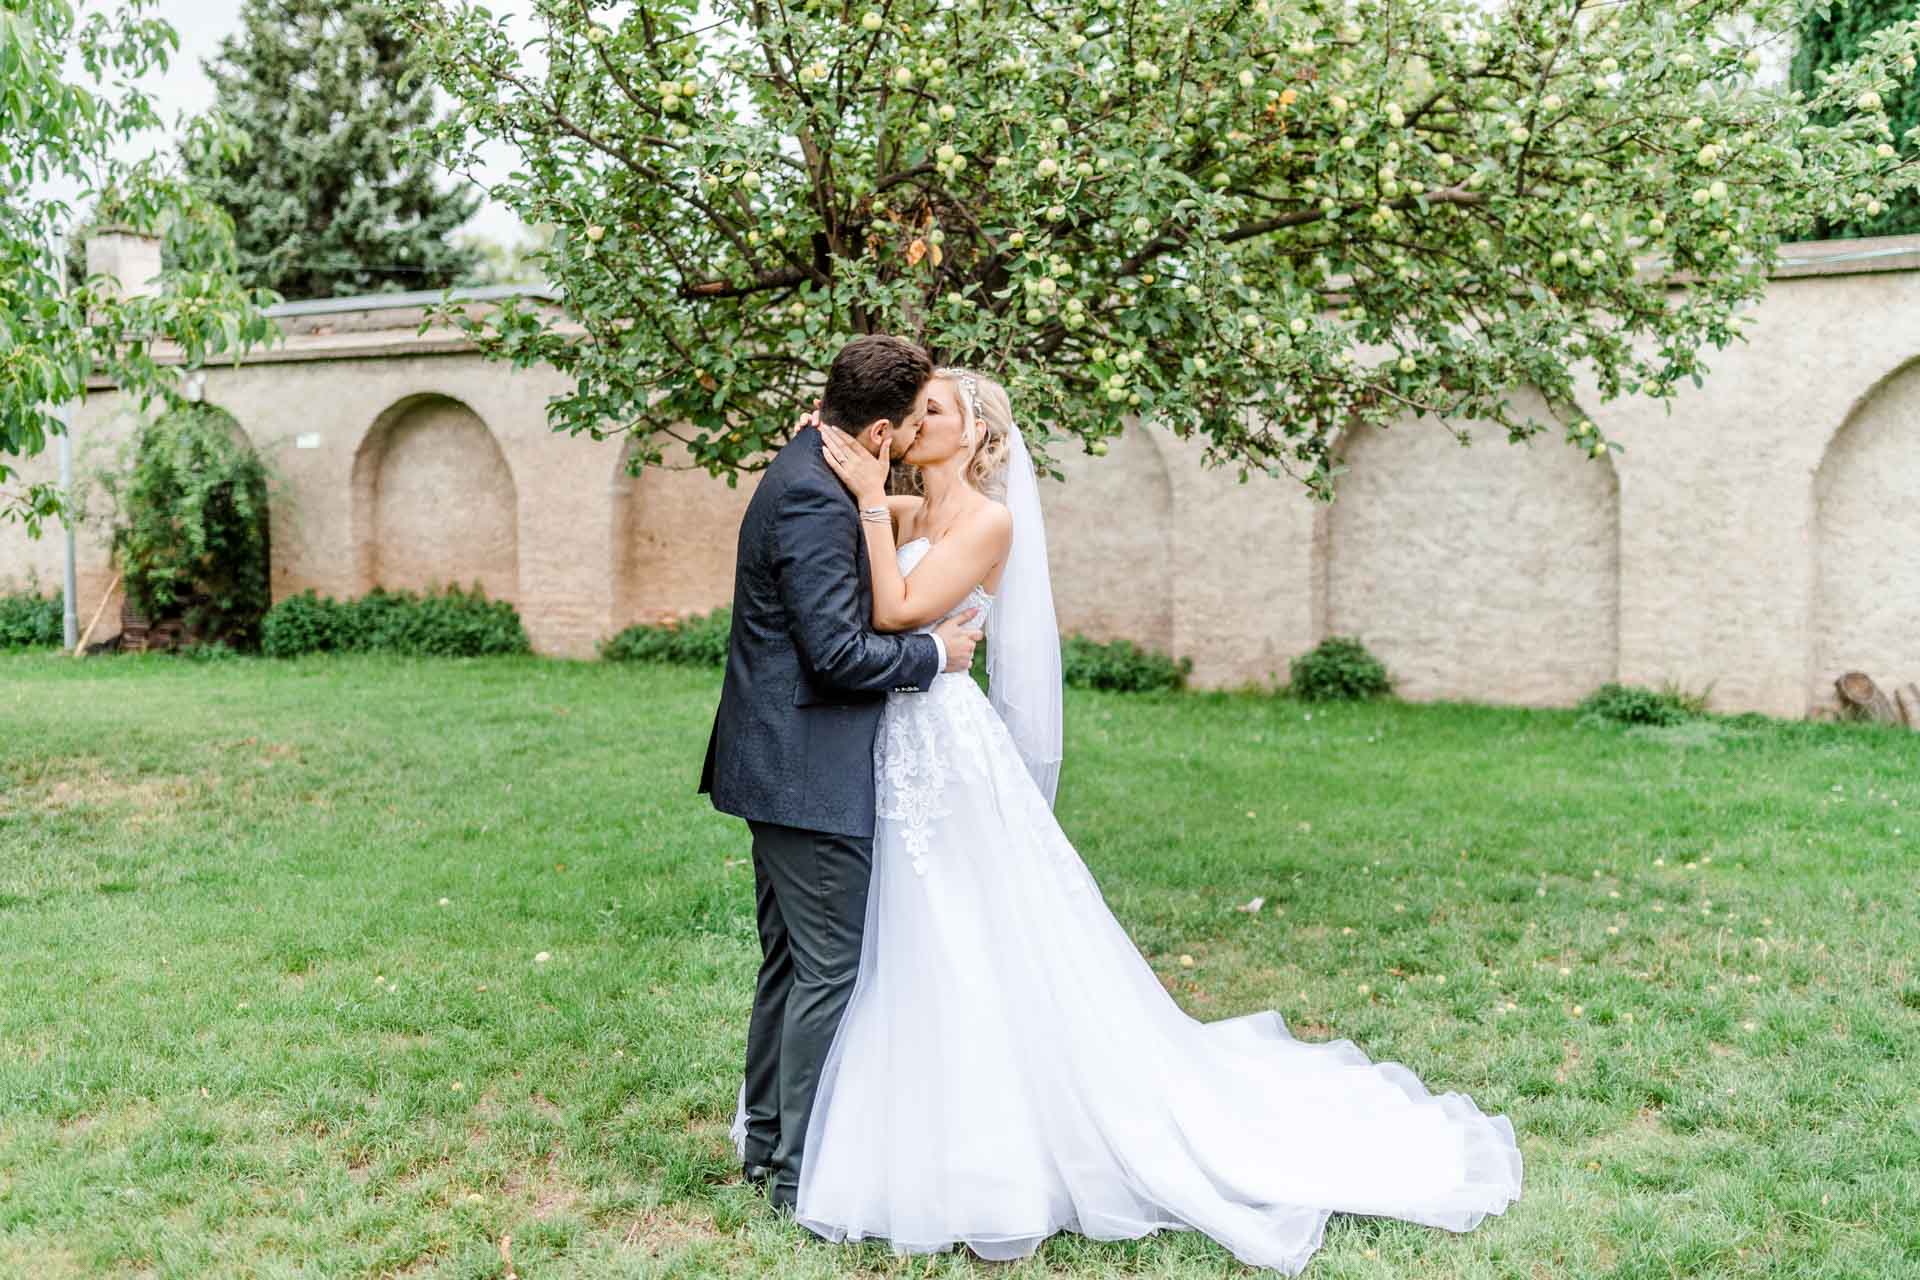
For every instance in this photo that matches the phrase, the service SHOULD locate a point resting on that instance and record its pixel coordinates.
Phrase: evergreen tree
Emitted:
(1837, 37)
(329, 201)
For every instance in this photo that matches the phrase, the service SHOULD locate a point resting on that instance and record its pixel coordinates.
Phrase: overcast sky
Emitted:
(184, 87)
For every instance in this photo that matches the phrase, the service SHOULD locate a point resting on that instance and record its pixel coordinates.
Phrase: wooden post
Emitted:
(87, 635)
(1907, 697)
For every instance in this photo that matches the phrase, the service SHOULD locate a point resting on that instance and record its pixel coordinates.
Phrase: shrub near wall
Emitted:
(29, 621)
(1120, 666)
(447, 624)
(698, 641)
(701, 641)
(1340, 669)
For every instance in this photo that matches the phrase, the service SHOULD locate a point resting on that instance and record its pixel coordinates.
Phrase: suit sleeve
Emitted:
(814, 563)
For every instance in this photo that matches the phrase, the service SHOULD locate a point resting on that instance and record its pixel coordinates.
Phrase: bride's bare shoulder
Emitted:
(992, 520)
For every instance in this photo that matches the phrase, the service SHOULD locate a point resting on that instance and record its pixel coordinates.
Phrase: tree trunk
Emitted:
(1862, 699)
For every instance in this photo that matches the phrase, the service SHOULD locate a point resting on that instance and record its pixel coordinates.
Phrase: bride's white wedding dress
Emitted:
(1010, 1067)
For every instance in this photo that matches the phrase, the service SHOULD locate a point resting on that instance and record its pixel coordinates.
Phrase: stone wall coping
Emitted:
(1848, 257)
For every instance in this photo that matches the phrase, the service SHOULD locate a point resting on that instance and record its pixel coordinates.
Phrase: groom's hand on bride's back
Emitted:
(960, 636)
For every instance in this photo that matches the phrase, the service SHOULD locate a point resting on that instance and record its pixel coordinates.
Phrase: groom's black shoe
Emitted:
(783, 1198)
(757, 1175)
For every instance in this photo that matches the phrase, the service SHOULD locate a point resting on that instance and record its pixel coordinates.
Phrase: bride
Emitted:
(1009, 1066)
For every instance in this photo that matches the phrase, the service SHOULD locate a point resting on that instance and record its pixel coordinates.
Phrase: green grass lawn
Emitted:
(271, 1001)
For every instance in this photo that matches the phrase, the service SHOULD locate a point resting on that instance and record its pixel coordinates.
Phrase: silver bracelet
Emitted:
(876, 514)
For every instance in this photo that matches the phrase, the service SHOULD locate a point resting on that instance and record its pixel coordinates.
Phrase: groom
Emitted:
(792, 744)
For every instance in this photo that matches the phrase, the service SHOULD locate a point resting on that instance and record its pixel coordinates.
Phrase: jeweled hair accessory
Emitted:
(971, 385)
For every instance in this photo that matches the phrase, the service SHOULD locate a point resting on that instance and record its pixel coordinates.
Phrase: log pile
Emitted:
(1862, 699)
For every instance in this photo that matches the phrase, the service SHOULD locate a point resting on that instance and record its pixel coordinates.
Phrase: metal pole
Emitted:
(70, 609)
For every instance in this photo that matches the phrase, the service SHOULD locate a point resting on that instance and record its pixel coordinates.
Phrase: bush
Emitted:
(29, 621)
(1339, 670)
(1120, 666)
(699, 641)
(444, 624)
(1631, 704)
(190, 530)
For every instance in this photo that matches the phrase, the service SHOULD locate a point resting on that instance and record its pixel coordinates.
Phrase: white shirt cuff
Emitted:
(940, 648)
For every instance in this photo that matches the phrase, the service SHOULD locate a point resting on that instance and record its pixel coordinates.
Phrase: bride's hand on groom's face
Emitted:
(864, 474)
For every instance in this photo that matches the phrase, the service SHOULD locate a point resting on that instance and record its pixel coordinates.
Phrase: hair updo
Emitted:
(985, 402)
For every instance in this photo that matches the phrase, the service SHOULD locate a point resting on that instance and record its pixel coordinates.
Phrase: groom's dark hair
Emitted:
(878, 376)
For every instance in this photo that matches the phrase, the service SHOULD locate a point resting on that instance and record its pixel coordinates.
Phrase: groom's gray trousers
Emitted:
(792, 753)
(810, 890)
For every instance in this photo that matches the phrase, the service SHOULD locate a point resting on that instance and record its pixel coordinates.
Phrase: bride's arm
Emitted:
(958, 563)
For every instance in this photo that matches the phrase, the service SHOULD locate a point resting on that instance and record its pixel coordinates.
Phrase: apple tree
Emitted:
(1261, 222)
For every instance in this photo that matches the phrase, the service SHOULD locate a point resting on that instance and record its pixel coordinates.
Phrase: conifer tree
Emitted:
(330, 200)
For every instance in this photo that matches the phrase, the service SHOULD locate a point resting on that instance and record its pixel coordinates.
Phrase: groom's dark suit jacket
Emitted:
(807, 675)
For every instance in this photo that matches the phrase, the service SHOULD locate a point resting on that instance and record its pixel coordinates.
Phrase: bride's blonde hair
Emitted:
(985, 403)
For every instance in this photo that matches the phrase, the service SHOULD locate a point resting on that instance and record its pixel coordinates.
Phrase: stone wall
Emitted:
(1760, 537)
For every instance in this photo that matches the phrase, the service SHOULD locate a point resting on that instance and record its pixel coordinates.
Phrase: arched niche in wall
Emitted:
(675, 533)
(1866, 596)
(434, 502)
(1489, 573)
(1110, 541)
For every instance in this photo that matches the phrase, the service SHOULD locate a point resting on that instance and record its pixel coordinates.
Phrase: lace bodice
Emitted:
(915, 754)
(910, 553)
